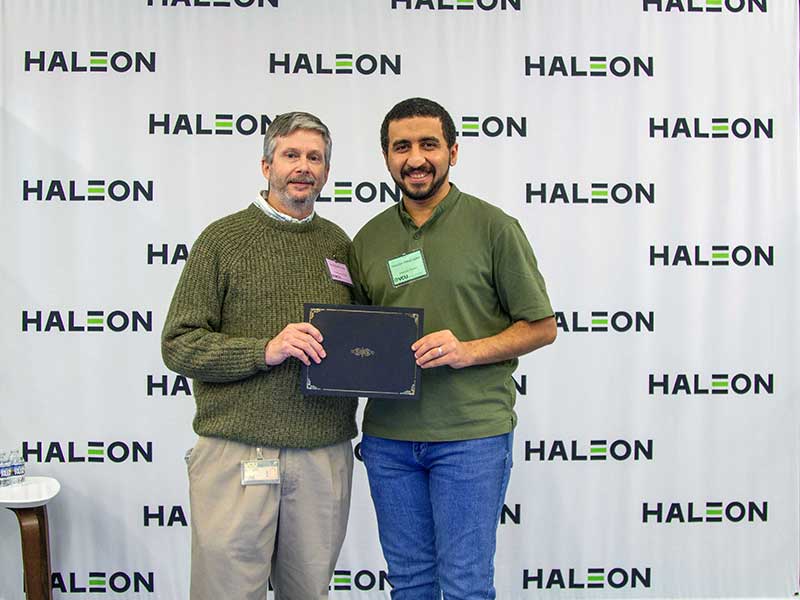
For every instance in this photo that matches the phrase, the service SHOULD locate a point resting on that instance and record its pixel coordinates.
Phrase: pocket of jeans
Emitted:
(361, 445)
(193, 454)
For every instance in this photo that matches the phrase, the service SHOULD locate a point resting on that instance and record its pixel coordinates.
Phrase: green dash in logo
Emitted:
(598, 65)
(343, 191)
(223, 124)
(598, 449)
(719, 383)
(470, 126)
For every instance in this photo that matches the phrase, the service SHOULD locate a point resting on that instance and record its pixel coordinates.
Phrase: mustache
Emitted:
(422, 169)
(307, 179)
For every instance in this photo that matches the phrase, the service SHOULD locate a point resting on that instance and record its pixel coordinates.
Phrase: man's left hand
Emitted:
(440, 349)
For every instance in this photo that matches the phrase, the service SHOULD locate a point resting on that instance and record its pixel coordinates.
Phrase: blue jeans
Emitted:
(438, 506)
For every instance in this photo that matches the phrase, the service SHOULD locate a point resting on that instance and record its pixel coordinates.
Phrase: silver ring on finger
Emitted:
(440, 351)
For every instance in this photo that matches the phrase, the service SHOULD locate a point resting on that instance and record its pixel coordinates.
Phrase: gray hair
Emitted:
(287, 124)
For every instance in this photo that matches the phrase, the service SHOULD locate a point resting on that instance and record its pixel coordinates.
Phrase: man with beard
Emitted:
(438, 467)
(270, 475)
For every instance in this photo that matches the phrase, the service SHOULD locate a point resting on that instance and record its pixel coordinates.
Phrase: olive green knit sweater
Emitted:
(246, 278)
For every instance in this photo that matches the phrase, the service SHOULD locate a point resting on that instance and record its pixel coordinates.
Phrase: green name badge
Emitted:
(406, 268)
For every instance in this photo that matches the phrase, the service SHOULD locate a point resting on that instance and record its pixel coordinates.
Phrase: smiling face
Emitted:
(419, 160)
(297, 172)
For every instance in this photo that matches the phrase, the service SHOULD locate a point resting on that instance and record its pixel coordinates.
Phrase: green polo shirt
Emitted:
(482, 277)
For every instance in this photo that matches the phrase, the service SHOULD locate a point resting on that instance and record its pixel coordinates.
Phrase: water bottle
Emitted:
(5, 469)
(17, 467)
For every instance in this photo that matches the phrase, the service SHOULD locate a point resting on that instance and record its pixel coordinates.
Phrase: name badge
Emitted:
(339, 271)
(407, 268)
(261, 471)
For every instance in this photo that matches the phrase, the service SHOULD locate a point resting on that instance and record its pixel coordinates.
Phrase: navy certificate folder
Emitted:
(368, 351)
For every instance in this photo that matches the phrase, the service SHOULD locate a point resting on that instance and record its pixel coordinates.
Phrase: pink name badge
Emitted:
(339, 272)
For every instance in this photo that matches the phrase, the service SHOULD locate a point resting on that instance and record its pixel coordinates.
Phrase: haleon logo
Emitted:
(363, 191)
(712, 6)
(92, 190)
(601, 321)
(484, 5)
(345, 63)
(493, 126)
(695, 384)
(168, 385)
(716, 256)
(712, 512)
(592, 66)
(165, 254)
(600, 192)
(103, 582)
(96, 452)
(199, 124)
(215, 3)
(362, 580)
(599, 449)
(96, 61)
(74, 321)
(616, 578)
(164, 516)
(717, 127)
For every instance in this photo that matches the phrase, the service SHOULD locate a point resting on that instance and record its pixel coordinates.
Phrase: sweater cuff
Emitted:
(259, 354)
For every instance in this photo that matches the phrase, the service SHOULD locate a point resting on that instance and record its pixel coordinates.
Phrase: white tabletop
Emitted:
(35, 491)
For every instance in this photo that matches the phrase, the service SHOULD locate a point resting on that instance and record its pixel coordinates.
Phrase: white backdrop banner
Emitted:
(648, 147)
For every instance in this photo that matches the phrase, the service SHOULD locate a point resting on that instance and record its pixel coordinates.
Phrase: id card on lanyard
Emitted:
(407, 268)
(261, 471)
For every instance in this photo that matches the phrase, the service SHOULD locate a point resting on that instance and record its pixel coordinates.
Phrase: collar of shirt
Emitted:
(271, 211)
(443, 206)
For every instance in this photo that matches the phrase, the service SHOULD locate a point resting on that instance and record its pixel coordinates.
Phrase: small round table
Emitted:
(28, 501)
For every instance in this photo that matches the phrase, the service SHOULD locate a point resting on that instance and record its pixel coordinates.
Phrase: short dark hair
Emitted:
(418, 107)
(287, 124)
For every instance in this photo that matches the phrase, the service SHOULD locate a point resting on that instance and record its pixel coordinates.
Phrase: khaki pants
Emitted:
(290, 532)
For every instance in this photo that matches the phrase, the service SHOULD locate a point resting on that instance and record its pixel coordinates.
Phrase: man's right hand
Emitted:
(301, 340)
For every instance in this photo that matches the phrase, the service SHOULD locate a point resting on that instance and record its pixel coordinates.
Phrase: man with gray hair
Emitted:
(270, 475)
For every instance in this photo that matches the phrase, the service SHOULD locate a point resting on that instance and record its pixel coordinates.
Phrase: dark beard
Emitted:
(423, 195)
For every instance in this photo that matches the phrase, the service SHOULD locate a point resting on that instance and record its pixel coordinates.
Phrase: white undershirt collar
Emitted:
(271, 211)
